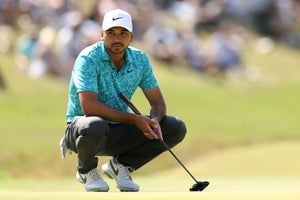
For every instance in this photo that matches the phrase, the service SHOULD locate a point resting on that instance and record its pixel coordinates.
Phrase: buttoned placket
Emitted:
(118, 76)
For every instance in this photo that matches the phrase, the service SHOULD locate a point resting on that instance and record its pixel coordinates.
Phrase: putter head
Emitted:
(199, 186)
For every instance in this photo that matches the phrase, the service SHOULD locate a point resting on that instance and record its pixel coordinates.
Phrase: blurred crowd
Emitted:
(205, 35)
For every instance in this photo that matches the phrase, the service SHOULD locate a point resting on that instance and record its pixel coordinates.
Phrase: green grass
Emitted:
(165, 196)
(165, 188)
(218, 113)
(267, 177)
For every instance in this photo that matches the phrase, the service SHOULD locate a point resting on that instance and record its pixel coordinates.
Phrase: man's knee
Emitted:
(86, 132)
(181, 129)
(92, 136)
(174, 129)
(95, 128)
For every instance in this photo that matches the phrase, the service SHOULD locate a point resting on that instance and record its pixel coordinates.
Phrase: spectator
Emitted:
(162, 45)
(274, 19)
(27, 47)
(67, 48)
(227, 47)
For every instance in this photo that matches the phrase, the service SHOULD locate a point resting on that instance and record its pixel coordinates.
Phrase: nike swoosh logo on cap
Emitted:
(114, 19)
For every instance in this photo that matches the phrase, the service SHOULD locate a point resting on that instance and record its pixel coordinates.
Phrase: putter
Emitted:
(199, 185)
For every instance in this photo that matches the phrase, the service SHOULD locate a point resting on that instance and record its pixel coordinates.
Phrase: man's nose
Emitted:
(117, 37)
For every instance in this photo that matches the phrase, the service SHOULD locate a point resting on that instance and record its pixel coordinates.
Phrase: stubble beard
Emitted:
(116, 49)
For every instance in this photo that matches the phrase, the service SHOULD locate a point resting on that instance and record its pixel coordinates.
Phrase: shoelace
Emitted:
(123, 171)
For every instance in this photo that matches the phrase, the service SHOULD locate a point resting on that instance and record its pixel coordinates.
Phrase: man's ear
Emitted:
(101, 34)
(132, 35)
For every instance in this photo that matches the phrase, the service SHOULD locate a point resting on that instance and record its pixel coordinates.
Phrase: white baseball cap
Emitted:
(115, 18)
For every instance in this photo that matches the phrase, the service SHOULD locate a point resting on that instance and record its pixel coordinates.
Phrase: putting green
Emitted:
(265, 171)
(280, 159)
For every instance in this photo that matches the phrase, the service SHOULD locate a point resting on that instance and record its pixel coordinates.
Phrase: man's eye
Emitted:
(109, 32)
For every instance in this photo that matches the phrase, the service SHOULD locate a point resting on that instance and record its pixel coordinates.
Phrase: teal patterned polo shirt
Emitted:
(94, 71)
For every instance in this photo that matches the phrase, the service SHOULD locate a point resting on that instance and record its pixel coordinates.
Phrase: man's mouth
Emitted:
(117, 45)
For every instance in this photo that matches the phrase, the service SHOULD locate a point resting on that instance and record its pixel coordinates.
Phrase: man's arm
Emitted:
(91, 106)
(157, 112)
(157, 102)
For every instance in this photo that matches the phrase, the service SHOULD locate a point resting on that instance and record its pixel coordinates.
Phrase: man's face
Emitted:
(116, 39)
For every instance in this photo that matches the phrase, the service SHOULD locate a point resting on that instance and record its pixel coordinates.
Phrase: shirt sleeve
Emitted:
(149, 80)
(85, 74)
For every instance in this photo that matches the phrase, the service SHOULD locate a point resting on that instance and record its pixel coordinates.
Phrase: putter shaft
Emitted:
(136, 111)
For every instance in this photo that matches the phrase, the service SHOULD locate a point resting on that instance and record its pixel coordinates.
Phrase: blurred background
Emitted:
(229, 68)
(49, 35)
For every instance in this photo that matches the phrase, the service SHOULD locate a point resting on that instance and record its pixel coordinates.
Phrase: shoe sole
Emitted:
(126, 190)
(97, 190)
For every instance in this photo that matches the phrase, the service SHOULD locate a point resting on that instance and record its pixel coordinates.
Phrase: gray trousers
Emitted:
(92, 136)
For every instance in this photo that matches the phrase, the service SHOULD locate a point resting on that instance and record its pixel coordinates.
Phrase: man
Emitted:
(99, 122)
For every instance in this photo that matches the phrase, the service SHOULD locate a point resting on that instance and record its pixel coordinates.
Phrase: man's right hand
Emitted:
(150, 127)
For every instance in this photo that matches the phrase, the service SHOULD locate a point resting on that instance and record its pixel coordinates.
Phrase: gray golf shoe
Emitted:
(121, 174)
(92, 181)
